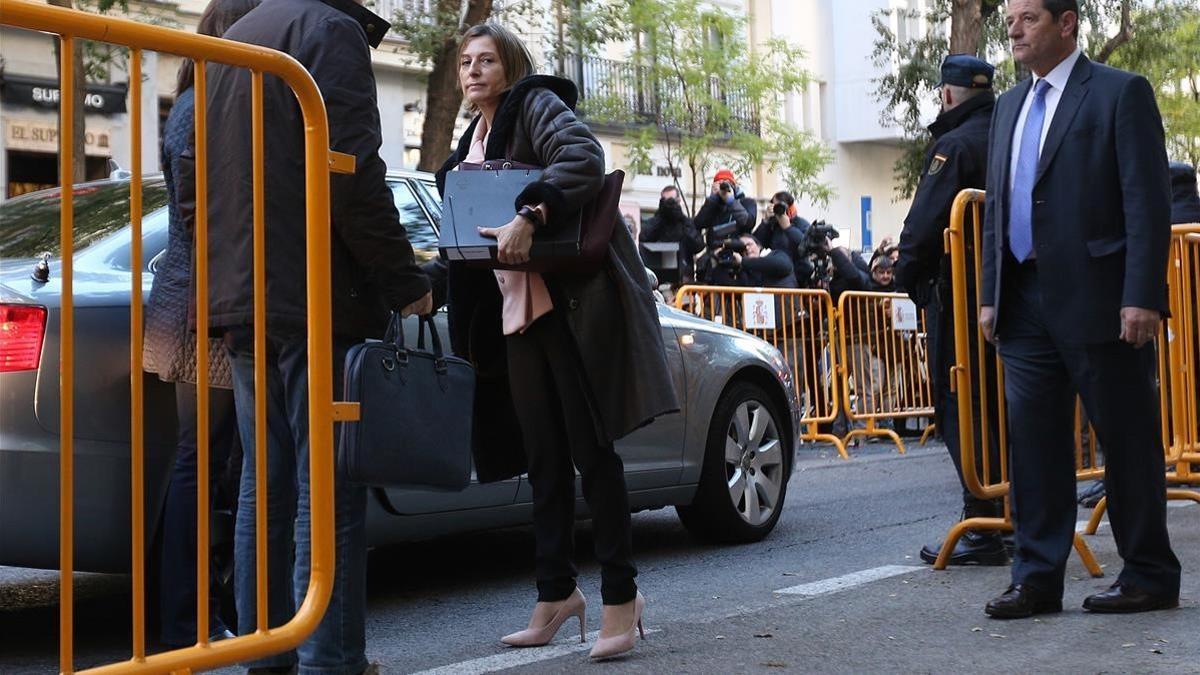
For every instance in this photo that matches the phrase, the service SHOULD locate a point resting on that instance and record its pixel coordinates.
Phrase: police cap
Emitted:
(967, 71)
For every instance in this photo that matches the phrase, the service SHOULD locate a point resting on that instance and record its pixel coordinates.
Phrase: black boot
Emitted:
(973, 548)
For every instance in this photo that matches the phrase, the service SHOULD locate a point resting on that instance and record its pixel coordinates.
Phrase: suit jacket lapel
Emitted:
(1068, 105)
(1008, 110)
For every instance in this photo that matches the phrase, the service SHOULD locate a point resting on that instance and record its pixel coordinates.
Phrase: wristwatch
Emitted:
(532, 215)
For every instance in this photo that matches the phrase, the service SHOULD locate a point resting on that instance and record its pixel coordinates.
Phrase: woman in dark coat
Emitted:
(581, 354)
(170, 351)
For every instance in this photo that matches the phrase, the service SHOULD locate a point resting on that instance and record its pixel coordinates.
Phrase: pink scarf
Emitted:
(526, 297)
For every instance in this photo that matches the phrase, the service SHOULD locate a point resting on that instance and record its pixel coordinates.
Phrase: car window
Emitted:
(428, 191)
(113, 252)
(29, 224)
(421, 234)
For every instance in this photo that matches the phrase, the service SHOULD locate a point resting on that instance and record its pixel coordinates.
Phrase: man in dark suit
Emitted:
(1074, 286)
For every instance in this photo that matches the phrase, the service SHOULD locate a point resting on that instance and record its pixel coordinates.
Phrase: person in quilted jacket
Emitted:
(170, 352)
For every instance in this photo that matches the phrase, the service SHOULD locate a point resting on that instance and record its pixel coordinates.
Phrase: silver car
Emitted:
(723, 461)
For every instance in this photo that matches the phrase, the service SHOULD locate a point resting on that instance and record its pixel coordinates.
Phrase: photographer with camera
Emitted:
(783, 230)
(813, 265)
(880, 278)
(725, 203)
(743, 262)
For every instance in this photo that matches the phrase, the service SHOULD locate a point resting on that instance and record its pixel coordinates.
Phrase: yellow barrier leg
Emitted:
(960, 528)
(1181, 494)
(928, 432)
(1097, 516)
(1087, 558)
(872, 430)
(813, 434)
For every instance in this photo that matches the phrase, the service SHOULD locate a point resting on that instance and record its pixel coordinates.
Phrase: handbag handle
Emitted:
(395, 337)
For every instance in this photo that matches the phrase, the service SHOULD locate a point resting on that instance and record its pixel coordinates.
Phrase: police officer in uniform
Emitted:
(956, 161)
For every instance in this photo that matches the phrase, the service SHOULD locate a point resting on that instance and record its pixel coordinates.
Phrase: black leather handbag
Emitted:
(415, 413)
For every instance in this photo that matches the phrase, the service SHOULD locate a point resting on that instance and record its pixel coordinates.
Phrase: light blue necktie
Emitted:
(1020, 206)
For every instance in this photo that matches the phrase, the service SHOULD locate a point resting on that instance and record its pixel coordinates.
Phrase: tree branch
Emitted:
(1123, 35)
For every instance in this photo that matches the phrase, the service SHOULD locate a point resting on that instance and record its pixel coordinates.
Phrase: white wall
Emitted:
(839, 107)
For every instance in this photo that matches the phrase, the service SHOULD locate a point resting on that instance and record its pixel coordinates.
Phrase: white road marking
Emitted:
(1081, 526)
(513, 657)
(848, 581)
(1180, 503)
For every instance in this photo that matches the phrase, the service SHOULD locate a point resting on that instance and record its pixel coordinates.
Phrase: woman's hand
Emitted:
(513, 240)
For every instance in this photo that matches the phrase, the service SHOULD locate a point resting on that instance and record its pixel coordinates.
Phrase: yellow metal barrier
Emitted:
(885, 364)
(71, 26)
(959, 240)
(1179, 379)
(801, 324)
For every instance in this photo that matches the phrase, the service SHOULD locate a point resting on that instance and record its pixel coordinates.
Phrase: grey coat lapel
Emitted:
(1068, 105)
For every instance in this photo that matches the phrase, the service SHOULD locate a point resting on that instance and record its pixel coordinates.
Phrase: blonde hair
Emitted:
(514, 55)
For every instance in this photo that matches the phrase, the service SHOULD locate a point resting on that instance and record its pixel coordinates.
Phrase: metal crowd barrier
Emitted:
(960, 239)
(801, 324)
(71, 26)
(884, 362)
(1179, 377)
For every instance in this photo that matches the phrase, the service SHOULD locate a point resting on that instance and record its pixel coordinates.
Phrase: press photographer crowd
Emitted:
(727, 245)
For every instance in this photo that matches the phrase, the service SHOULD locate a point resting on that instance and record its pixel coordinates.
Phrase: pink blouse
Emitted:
(526, 297)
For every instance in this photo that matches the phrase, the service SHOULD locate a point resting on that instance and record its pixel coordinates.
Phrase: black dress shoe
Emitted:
(1123, 598)
(973, 548)
(1021, 601)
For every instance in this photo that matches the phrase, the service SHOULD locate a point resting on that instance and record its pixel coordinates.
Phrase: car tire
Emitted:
(743, 480)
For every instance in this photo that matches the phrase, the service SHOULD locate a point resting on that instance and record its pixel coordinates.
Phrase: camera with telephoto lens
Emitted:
(723, 241)
(816, 249)
(726, 186)
(779, 208)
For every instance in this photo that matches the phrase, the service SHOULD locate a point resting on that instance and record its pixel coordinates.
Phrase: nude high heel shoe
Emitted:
(537, 636)
(608, 647)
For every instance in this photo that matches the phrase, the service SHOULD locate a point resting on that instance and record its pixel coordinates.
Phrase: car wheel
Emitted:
(743, 480)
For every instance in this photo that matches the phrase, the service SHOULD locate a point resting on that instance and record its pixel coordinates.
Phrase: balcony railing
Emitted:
(632, 88)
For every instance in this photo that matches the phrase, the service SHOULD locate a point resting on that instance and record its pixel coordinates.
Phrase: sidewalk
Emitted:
(909, 618)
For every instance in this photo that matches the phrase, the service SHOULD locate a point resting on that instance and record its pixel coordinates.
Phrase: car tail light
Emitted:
(22, 328)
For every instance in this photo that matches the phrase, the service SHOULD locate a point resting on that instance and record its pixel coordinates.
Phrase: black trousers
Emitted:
(939, 322)
(553, 407)
(177, 580)
(1117, 383)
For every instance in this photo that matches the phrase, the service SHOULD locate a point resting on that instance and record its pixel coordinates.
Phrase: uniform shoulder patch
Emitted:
(939, 161)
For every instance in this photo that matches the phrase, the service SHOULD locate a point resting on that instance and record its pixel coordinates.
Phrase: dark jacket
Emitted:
(373, 270)
(773, 270)
(1185, 202)
(790, 240)
(668, 224)
(853, 276)
(956, 160)
(611, 313)
(716, 211)
(169, 346)
(1101, 204)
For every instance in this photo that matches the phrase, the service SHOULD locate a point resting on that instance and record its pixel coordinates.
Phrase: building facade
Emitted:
(838, 107)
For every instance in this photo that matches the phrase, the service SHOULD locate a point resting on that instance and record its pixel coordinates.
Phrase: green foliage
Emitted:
(693, 89)
(426, 32)
(100, 59)
(907, 88)
(1164, 47)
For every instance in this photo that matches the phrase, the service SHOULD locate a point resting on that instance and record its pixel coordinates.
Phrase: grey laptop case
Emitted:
(485, 198)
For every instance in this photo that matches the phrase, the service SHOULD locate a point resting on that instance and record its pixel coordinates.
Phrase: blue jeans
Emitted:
(338, 646)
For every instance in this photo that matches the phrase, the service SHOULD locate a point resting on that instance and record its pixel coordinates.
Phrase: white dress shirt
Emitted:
(1057, 79)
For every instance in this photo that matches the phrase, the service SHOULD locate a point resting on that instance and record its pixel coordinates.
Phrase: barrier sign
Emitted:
(904, 315)
(759, 311)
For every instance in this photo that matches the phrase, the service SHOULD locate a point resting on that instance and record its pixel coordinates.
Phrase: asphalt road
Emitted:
(854, 598)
